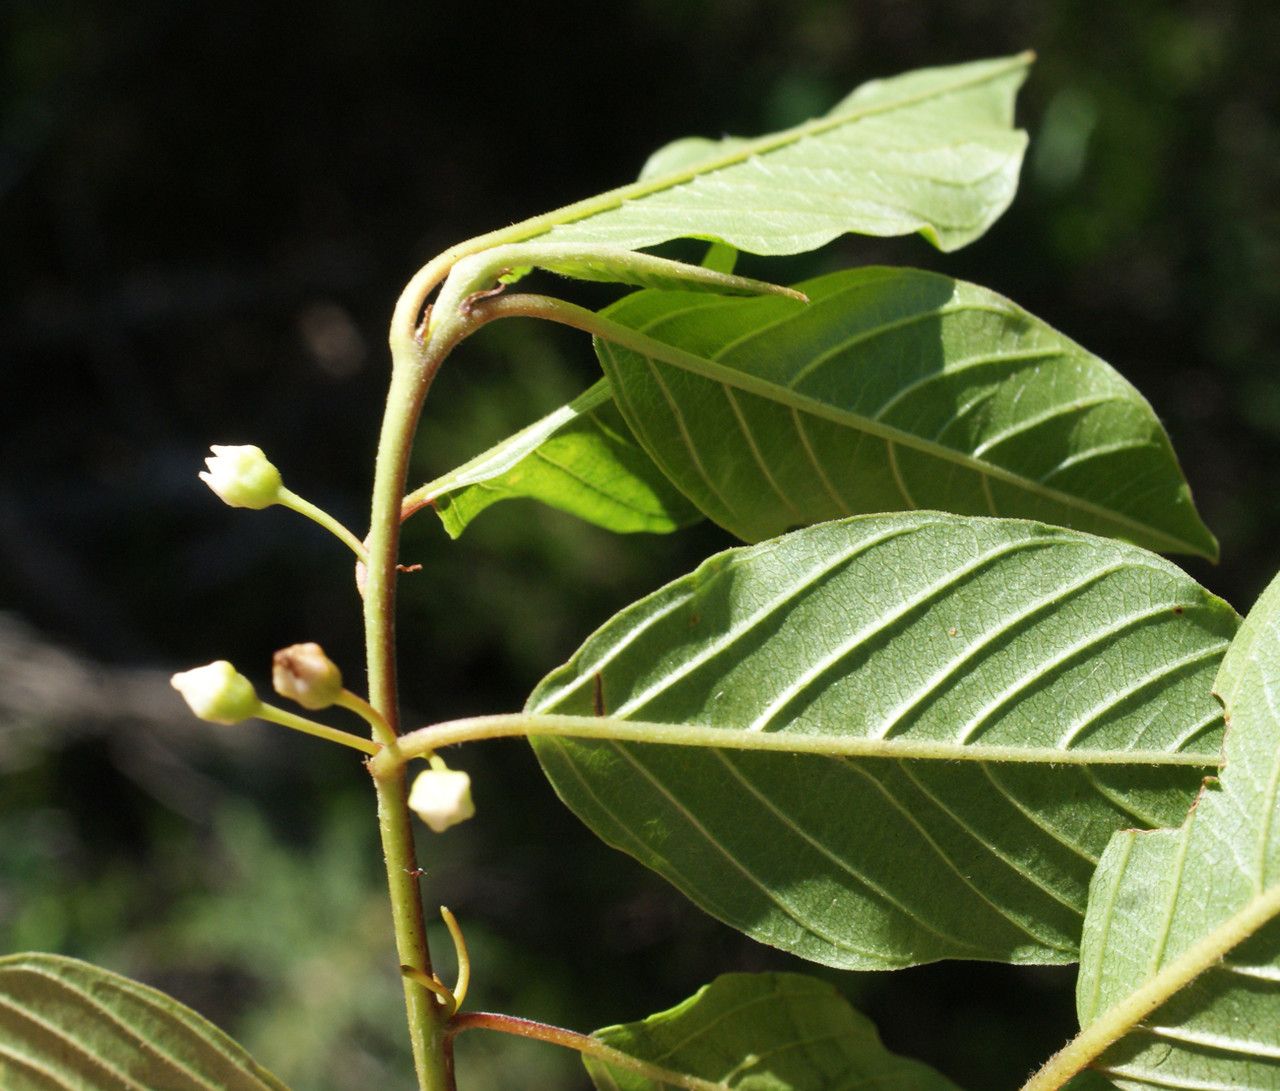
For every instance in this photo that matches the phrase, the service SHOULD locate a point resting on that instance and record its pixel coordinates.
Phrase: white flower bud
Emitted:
(442, 798)
(242, 477)
(303, 673)
(218, 693)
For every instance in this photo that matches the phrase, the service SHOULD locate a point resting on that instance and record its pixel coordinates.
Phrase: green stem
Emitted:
(310, 727)
(353, 702)
(426, 740)
(426, 1023)
(294, 502)
(413, 367)
(582, 1043)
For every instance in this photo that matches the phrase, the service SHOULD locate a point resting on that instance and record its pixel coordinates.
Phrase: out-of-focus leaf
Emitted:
(68, 1026)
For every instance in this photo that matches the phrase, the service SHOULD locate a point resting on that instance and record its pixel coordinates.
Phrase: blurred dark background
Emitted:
(206, 214)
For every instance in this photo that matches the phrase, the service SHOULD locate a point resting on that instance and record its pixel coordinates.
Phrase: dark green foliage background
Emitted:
(206, 213)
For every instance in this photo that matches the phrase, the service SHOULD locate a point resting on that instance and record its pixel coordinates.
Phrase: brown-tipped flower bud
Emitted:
(303, 673)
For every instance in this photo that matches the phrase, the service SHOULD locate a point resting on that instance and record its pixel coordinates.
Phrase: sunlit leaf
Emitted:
(68, 1026)
(1184, 925)
(1090, 659)
(581, 459)
(932, 151)
(893, 389)
(763, 1032)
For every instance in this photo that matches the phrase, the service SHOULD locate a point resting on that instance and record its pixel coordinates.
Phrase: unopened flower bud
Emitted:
(242, 477)
(218, 693)
(303, 673)
(442, 798)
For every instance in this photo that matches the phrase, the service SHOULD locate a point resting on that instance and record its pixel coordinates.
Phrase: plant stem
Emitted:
(413, 367)
(583, 1043)
(426, 1024)
(309, 727)
(423, 742)
(294, 502)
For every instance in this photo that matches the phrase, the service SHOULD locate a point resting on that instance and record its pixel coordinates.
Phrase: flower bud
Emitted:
(218, 693)
(242, 477)
(442, 798)
(303, 673)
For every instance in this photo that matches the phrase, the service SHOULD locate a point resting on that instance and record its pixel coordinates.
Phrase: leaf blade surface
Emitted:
(892, 389)
(910, 627)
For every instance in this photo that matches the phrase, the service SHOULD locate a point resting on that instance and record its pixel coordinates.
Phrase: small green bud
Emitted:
(442, 798)
(303, 673)
(218, 693)
(242, 477)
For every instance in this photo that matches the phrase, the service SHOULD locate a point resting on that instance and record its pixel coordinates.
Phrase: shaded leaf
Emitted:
(947, 633)
(893, 389)
(65, 1024)
(764, 1032)
(581, 459)
(1187, 921)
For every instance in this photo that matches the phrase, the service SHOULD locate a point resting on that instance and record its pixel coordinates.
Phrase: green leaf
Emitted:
(1187, 921)
(69, 1026)
(933, 635)
(581, 459)
(893, 389)
(932, 151)
(763, 1032)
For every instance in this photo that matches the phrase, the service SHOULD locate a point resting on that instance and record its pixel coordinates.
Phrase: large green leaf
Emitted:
(763, 1032)
(582, 459)
(932, 151)
(69, 1026)
(922, 633)
(893, 389)
(1187, 921)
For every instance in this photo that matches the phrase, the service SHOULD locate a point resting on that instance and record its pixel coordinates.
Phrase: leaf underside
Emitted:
(1182, 894)
(763, 1032)
(68, 1026)
(893, 390)
(581, 459)
(932, 151)
(914, 627)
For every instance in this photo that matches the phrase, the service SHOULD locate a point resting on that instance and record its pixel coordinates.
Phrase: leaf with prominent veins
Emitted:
(65, 1024)
(581, 459)
(772, 1032)
(891, 389)
(1180, 963)
(923, 630)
